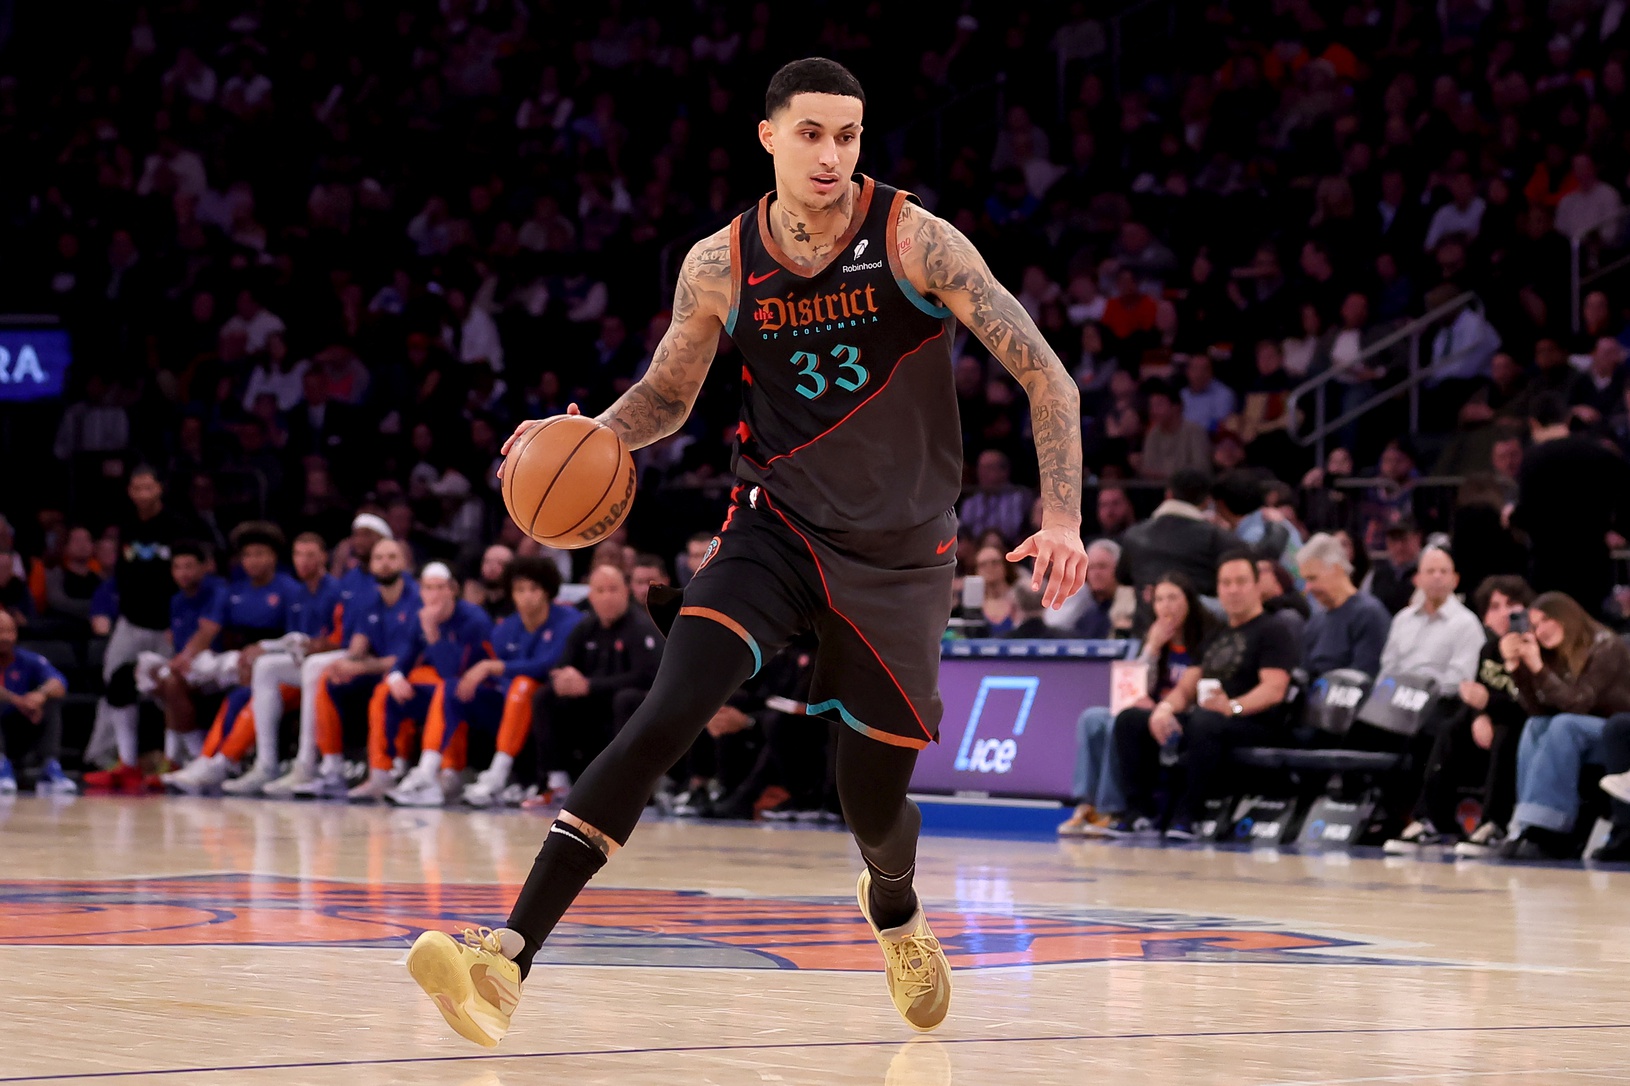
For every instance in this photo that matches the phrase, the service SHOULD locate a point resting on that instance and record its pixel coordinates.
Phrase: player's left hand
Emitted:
(1061, 563)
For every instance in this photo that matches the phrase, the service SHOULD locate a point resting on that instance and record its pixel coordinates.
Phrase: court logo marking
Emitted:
(672, 928)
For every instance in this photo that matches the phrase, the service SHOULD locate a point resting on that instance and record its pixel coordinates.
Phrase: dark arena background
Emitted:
(1341, 283)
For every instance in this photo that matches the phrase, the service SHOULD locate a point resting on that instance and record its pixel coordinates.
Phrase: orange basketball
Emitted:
(568, 481)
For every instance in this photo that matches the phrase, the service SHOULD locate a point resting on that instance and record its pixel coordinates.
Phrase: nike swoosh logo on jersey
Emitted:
(947, 545)
(755, 280)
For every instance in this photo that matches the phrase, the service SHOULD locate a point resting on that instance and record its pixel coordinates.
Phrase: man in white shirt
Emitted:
(1462, 215)
(1593, 206)
(1436, 634)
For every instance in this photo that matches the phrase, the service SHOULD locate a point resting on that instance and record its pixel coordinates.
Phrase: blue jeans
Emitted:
(1549, 757)
(1097, 766)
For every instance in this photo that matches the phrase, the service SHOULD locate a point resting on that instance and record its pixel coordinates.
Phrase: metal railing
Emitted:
(1596, 254)
(1409, 338)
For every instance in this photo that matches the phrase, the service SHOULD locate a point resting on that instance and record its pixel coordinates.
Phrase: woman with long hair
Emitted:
(1172, 643)
(999, 575)
(1571, 674)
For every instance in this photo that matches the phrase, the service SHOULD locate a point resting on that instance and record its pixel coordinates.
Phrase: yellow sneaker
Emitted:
(919, 976)
(474, 986)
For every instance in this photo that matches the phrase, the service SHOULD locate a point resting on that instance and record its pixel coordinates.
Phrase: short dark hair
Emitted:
(1189, 485)
(1509, 585)
(540, 571)
(145, 469)
(311, 537)
(190, 548)
(812, 75)
(652, 561)
(1237, 554)
(1240, 492)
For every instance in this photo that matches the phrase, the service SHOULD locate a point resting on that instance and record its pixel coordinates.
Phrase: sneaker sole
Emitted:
(437, 966)
(862, 892)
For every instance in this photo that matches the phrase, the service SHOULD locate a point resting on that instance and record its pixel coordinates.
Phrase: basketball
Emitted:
(568, 482)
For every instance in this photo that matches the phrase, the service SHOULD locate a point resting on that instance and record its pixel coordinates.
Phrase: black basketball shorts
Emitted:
(878, 603)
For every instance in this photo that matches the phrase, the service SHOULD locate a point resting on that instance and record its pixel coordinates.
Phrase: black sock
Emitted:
(893, 901)
(564, 866)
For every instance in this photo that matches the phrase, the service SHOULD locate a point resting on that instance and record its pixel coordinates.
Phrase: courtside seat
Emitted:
(1317, 761)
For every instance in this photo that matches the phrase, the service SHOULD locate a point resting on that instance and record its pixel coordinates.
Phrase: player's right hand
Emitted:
(571, 409)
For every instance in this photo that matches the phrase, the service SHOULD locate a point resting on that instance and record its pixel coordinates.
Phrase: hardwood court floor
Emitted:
(196, 941)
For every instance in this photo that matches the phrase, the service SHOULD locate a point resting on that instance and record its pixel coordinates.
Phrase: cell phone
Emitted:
(1519, 622)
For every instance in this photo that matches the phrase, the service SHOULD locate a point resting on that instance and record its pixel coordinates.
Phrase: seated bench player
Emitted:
(272, 671)
(30, 714)
(373, 631)
(257, 607)
(356, 586)
(449, 636)
(195, 628)
(498, 692)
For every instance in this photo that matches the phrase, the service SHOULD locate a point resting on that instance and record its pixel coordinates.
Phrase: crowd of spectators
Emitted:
(310, 274)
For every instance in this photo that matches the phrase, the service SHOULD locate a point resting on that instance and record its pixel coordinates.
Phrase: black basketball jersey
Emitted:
(849, 411)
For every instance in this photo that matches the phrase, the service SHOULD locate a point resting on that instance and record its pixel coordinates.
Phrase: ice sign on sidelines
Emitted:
(994, 751)
(33, 363)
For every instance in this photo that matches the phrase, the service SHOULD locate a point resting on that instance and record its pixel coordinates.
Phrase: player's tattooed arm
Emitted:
(940, 261)
(659, 402)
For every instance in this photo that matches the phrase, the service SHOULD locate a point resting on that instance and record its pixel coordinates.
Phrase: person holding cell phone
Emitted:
(1571, 674)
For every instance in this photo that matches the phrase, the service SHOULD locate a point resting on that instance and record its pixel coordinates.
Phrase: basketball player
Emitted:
(841, 295)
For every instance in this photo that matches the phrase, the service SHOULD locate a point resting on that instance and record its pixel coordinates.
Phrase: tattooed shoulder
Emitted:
(704, 277)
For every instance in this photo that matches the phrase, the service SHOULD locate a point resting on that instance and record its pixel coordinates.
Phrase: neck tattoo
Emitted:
(799, 233)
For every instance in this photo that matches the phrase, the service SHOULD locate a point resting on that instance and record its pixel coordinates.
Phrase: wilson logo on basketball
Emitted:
(841, 309)
(613, 515)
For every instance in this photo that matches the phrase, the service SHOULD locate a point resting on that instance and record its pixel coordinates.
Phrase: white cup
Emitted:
(1208, 687)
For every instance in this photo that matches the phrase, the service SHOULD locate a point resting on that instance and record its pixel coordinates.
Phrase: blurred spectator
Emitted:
(30, 715)
(143, 587)
(998, 504)
(607, 665)
(1177, 538)
(1247, 666)
(1570, 495)
(1027, 620)
(1616, 759)
(1593, 205)
(1392, 580)
(70, 586)
(1571, 674)
(489, 589)
(649, 569)
(1180, 626)
(1115, 512)
(1106, 608)
(1173, 443)
(1206, 400)
(1350, 628)
(1485, 717)
(999, 575)
(1438, 636)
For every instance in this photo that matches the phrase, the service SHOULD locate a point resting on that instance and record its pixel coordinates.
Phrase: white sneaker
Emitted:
(53, 782)
(331, 785)
(373, 789)
(1617, 785)
(487, 790)
(517, 794)
(252, 783)
(201, 775)
(1484, 842)
(299, 775)
(418, 789)
(1416, 836)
